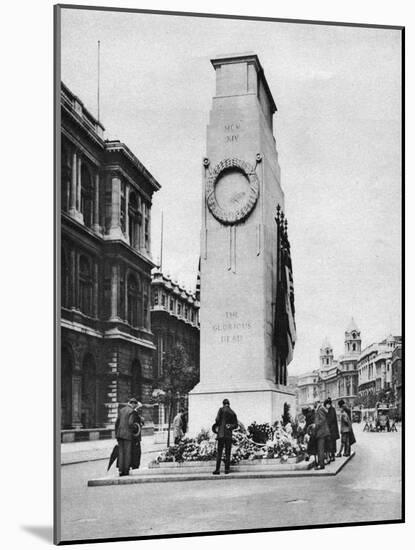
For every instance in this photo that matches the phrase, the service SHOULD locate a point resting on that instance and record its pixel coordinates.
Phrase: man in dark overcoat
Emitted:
(321, 432)
(125, 425)
(136, 441)
(346, 429)
(333, 428)
(226, 421)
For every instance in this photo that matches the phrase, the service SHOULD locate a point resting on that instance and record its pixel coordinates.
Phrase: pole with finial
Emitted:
(98, 62)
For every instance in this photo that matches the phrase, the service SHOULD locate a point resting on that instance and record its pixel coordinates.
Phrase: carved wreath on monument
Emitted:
(232, 190)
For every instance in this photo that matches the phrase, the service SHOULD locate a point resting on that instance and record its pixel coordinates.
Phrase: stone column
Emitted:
(138, 232)
(143, 227)
(127, 219)
(73, 191)
(149, 229)
(96, 226)
(76, 401)
(96, 289)
(126, 296)
(77, 292)
(115, 231)
(73, 281)
(114, 292)
(78, 183)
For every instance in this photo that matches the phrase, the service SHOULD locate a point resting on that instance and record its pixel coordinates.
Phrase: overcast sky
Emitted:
(338, 133)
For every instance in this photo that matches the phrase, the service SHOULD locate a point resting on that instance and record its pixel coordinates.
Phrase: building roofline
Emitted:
(115, 145)
(69, 92)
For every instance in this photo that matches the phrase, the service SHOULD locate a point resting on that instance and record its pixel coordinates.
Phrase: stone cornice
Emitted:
(80, 147)
(117, 169)
(119, 147)
(81, 124)
(115, 333)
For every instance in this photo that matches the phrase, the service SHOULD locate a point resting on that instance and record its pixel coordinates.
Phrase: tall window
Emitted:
(107, 290)
(85, 285)
(66, 174)
(145, 306)
(89, 412)
(87, 196)
(136, 380)
(66, 388)
(65, 280)
(122, 206)
(133, 300)
(133, 220)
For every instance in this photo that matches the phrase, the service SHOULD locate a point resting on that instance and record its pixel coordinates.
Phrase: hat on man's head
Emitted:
(133, 401)
(341, 403)
(225, 402)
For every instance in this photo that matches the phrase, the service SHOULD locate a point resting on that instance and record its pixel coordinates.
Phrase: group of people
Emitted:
(320, 429)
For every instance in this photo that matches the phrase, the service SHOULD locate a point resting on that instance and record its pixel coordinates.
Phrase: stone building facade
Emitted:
(174, 319)
(375, 366)
(335, 378)
(106, 339)
(397, 377)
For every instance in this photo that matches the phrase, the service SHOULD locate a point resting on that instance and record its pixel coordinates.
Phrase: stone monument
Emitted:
(247, 307)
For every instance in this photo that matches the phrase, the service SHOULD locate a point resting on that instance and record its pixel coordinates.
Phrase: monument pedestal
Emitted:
(254, 402)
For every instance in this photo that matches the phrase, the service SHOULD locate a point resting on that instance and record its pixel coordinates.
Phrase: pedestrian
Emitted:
(309, 414)
(333, 428)
(321, 433)
(225, 422)
(185, 421)
(178, 424)
(346, 430)
(301, 427)
(125, 425)
(136, 441)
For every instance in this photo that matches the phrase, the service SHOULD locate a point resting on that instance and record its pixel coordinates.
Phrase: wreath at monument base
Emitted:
(280, 445)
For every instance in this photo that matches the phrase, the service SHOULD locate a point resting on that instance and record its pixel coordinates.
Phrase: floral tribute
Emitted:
(259, 441)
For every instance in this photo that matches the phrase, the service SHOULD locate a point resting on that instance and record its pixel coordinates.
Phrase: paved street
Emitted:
(367, 489)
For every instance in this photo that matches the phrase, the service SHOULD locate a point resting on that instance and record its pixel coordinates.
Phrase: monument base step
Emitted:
(250, 472)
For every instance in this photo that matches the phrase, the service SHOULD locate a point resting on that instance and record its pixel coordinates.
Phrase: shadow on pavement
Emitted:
(44, 532)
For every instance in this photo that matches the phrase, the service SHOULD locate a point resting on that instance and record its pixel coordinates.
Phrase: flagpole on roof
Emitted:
(98, 62)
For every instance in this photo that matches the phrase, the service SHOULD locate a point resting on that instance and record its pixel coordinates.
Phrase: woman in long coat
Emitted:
(334, 429)
(309, 421)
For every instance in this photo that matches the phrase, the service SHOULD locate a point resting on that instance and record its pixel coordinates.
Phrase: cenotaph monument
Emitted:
(247, 328)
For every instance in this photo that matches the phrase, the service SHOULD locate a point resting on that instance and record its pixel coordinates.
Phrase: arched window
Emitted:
(66, 175)
(136, 380)
(122, 206)
(89, 396)
(134, 218)
(65, 280)
(85, 285)
(87, 196)
(146, 306)
(133, 300)
(66, 388)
